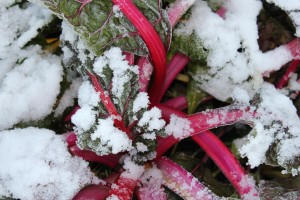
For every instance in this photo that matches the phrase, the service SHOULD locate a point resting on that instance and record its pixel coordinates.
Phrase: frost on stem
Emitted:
(182, 182)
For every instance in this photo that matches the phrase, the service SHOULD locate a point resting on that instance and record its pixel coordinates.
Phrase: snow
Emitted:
(87, 96)
(28, 91)
(112, 140)
(68, 98)
(151, 181)
(152, 120)
(26, 73)
(141, 147)
(276, 121)
(179, 127)
(84, 118)
(141, 101)
(114, 59)
(36, 164)
(229, 68)
(132, 170)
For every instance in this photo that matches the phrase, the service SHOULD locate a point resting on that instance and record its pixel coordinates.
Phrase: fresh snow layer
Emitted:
(28, 91)
(36, 164)
(112, 140)
(230, 69)
(29, 78)
(179, 127)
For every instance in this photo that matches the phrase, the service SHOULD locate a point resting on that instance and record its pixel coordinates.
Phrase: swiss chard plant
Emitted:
(157, 79)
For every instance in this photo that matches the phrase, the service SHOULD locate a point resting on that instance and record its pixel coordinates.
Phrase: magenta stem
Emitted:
(152, 40)
(145, 71)
(123, 188)
(109, 105)
(177, 179)
(129, 57)
(294, 48)
(218, 152)
(177, 63)
(290, 70)
(218, 117)
(226, 161)
(179, 103)
(111, 160)
(177, 10)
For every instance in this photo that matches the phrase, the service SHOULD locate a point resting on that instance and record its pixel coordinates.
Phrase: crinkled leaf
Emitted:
(182, 44)
(102, 25)
(280, 188)
(194, 93)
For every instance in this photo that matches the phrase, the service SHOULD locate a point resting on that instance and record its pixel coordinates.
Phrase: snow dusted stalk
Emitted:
(219, 117)
(148, 193)
(152, 40)
(122, 188)
(290, 70)
(178, 9)
(182, 182)
(129, 57)
(228, 164)
(109, 105)
(177, 63)
(219, 153)
(200, 122)
(145, 71)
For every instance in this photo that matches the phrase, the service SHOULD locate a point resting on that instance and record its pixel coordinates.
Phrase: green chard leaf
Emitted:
(102, 25)
(194, 93)
(95, 125)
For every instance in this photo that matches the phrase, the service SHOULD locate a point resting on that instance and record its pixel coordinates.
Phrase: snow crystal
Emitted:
(252, 194)
(224, 38)
(149, 136)
(67, 100)
(152, 180)
(112, 197)
(36, 164)
(179, 127)
(111, 138)
(84, 118)
(116, 61)
(29, 91)
(87, 95)
(152, 119)
(277, 121)
(140, 102)
(141, 147)
(132, 170)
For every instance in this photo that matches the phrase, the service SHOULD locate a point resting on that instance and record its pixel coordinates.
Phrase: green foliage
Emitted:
(101, 25)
